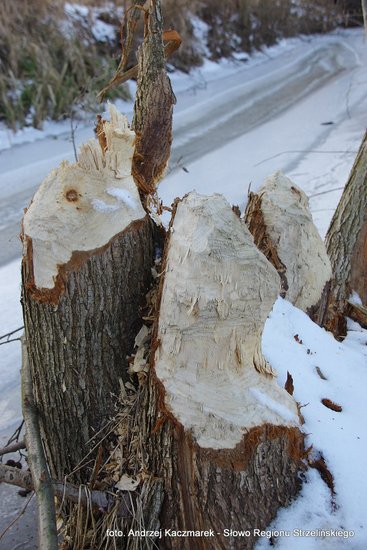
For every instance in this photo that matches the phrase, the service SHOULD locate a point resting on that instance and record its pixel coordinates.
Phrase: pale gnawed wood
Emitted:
(88, 252)
(78, 349)
(281, 223)
(218, 291)
(346, 243)
(221, 444)
(153, 107)
(80, 207)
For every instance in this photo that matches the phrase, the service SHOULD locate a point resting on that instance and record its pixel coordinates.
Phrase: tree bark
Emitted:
(153, 107)
(364, 11)
(346, 243)
(81, 317)
(213, 455)
(78, 349)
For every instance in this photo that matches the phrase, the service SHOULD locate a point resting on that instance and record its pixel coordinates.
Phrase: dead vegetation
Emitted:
(53, 64)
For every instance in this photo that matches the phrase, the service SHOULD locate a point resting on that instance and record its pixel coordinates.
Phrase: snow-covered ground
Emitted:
(314, 142)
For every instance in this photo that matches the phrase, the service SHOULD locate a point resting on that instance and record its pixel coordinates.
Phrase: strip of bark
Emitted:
(47, 531)
(153, 107)
(171, 41)
(357, 313)
(254, 220)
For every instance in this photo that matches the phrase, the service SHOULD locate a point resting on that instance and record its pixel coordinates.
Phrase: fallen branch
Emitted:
(101, 500)
(357, 313)
(47, 531)
(13, 448)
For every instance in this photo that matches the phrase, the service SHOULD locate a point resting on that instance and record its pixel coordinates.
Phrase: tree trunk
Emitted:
(204, 438)
(364, 11)
(221, 445)
(346, 243)
(86, 270)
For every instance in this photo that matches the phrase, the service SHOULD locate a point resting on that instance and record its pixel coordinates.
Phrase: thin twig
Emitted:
(72, 131)
(304, 152)
(325, 192)
(9, 341)
(102, 500)
(7, 336)
(17, 517)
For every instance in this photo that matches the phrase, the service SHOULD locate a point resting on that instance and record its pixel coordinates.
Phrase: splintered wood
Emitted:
(218, 291)
(80, 207)
(280, 221)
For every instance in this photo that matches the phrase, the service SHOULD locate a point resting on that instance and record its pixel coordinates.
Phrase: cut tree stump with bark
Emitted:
(88, 253)
(346, 243)
(279, 218)
(204, 439)
(221, 442)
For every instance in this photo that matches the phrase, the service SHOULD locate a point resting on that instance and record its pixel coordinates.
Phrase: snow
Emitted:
(102, 206)
(317, 156)
(122, 195)
(274, 406)
(10, 354)
(339, 437)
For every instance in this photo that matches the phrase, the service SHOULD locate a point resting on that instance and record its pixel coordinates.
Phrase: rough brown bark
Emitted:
(205, 489)
(188, 487)
(78, 346)
(254, 220)
(153, 107)
(346, 243)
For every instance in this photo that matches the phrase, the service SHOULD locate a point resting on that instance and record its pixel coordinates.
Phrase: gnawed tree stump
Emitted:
(280, 221)
(219, 440)
(88, 252)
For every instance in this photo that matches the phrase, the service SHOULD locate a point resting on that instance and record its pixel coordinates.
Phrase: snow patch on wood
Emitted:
(290, 227)
(82, 206)
(217, 293)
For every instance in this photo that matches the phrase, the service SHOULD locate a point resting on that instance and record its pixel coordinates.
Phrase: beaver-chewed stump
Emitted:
(212, 442)
(88, 253)
(222, 440)
(279, 218)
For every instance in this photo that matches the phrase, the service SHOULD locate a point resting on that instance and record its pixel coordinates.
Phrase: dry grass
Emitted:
(50, 64)
(45, 71)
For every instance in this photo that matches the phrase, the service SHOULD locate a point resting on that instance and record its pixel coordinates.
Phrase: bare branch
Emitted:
(364, 11)
(7, 336)
(101, 500)
(13, 448)
(306, 152)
